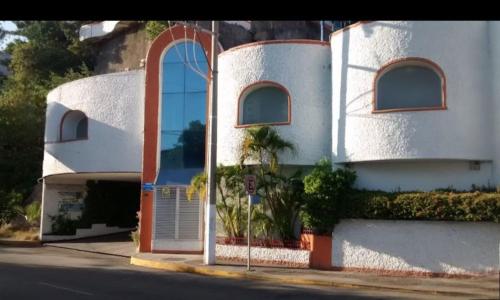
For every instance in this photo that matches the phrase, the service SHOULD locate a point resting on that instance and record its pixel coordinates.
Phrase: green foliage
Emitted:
(136, 237)
(154, 28)
(281, 195)
(442, 206)
(33, 212)
(51, 55)
(284, 198)
(324, 191)
(112, 203)
(263, 144)
(62, 224)
(231, 204)
(10, 206)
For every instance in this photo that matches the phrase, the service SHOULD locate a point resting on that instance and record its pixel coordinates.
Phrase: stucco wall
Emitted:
(417, 246)
(114, 105)
(278, 256)
(52, 196)
(421, 175)
(303, 69)
(494, 56)
(463, 131)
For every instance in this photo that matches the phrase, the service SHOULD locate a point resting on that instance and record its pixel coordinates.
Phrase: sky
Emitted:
(8, 25)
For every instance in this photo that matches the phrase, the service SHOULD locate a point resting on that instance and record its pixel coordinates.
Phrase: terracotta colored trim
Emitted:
(61, 123)
(263, 83)
(177, 251)
(354, 25)
(418, 61)
(151, 111)
(270, 42)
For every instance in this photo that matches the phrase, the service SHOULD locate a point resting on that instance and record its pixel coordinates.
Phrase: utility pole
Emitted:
(210, 221)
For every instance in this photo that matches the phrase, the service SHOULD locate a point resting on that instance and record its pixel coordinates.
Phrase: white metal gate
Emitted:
(177, 222)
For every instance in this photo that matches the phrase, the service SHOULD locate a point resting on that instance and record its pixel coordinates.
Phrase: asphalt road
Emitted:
(51, 273)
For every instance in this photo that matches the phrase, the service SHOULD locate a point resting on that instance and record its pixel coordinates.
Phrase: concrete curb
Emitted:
(206, 270)
(14, 243)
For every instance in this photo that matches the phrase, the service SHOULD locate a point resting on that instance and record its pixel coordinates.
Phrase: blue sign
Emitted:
(254, 199)
(148, 187)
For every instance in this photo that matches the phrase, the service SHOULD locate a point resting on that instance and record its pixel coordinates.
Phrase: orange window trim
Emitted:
(250, 88)
(418, 61)
(61, 123)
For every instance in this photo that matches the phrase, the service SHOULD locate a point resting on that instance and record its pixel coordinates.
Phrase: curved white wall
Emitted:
(303, 69)
(463, 131)
(114, 105)
(422, 175)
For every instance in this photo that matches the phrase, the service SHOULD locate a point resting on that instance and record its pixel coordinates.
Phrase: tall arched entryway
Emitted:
(174, 140)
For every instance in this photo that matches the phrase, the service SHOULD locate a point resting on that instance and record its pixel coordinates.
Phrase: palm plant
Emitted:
(281, 195)
(231, 194)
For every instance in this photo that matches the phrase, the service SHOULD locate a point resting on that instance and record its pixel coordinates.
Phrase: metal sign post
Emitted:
(251, 189)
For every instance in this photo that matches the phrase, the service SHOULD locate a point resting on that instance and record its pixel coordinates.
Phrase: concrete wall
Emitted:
(94, 230)
(417, 246)
(463, 131)
(52, 196)
(285, 64)
(114, 106)
(278, 256)
(421, 175)
(494, 56)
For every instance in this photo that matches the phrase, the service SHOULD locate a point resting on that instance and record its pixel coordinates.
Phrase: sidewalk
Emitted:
(471, 288)
(476, 288)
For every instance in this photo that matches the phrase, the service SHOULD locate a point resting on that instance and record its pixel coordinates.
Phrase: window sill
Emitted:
(381, 111)
(262, 124)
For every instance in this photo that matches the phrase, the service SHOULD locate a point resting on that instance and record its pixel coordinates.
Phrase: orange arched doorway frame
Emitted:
(151, 107)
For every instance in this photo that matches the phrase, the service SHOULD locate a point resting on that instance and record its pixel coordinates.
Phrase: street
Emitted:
(53, 273)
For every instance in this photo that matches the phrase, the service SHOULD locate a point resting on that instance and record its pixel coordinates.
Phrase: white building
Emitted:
(409, 105)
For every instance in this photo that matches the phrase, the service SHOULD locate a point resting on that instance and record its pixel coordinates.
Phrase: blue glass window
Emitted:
(183, 110)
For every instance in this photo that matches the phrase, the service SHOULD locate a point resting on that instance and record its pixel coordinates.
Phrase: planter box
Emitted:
(321, 250)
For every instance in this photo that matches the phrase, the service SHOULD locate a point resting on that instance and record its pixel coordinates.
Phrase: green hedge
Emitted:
(449, 206)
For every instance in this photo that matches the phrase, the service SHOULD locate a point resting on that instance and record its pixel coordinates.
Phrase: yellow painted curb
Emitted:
(202, 270)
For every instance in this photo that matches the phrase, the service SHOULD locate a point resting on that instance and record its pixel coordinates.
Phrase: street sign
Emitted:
(255, 199)
(250, 184)
(148, 187)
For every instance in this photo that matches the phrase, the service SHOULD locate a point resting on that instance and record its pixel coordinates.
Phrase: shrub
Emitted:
(136, 237)
(445, 206)
(324, 191)
(62, 224)
(33, 211)
(154, 28)
(10, 206)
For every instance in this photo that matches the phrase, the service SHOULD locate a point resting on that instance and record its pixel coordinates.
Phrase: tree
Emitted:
(281, 194)
(325, 189)
(51, 55)
(231, 206)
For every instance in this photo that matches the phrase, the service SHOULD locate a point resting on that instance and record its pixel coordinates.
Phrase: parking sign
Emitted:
(250, 184)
